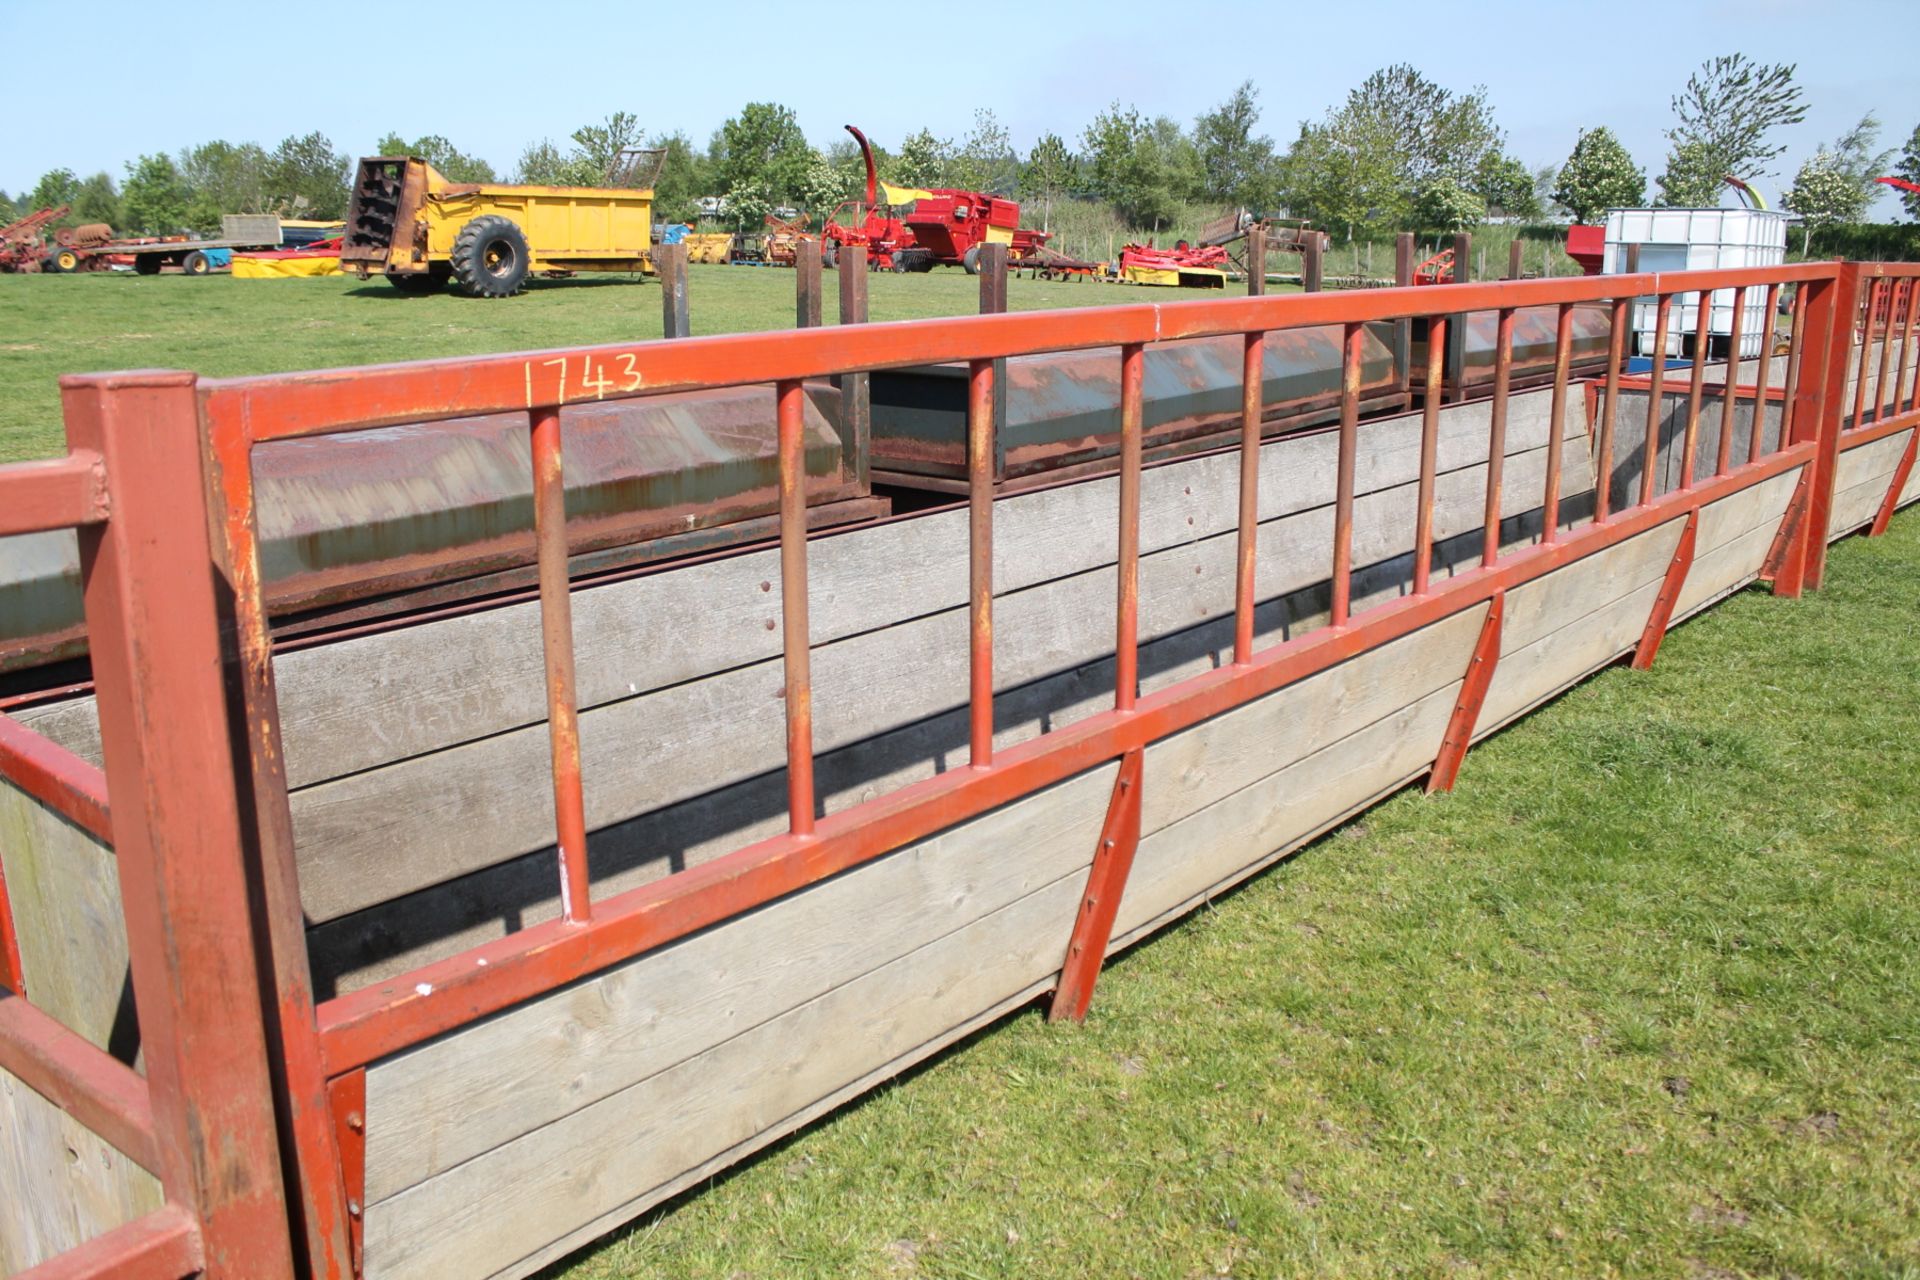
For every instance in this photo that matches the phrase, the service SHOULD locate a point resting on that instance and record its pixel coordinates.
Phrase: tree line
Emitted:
(1400, 151)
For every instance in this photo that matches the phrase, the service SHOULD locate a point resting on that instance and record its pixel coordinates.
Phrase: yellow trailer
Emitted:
(408, 223)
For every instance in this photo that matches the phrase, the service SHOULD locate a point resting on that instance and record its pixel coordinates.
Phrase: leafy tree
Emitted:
(1447, 204)
(1395, 135)
(685, 176)
(98, 200)
(1693, 180)
(1599, 175)
(1853, 153)
(1050, 168)
(763, 153)
(986, 160)
(1237, 166)
(223, 177)
(1909, 168)
(922, 160)
(1726, 122)
(453, 163)
(597, 146)
(1144, 168)
(824, 186)
(1825, 195)
(154, 201)
(306, 178)
(1503, 183)
(54, 189)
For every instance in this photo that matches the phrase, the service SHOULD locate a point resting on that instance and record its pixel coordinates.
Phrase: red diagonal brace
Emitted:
(1662, 612)
(347, 1099)
(1786, 563)
(1093, 927)
(1473, 693)
(1900, 474)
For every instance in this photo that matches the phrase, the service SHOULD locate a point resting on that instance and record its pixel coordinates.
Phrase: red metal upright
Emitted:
(1830, 310)
(1106, 882)
(1661, 615)
(179, 836)
(1472, 696)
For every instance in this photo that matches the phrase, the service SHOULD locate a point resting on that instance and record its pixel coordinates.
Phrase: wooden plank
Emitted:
(60, 1185)
(1860, 482)
(1210, 849)
(65, 891)
(483, 802)
(1538, 609)
(1722, 571)
(481, 1216)
(436, 1106)
(361, 703)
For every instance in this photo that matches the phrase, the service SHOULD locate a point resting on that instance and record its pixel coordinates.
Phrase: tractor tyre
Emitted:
(63, 261)
(432, 280)
(196, 264)
(970, 261)
(899, 262)
(490, 258)
(147, 264)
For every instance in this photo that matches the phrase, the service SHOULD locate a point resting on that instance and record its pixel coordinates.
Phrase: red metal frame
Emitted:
(1669, 594)
(162, 1245)
(1473, 696)
(202, 814)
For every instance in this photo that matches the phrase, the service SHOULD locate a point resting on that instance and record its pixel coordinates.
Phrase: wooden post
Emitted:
(1256, 261)
(1310, 261)
(856, 403)
(1515, 268)
(1457, 331)
(806, 270)
(671, 261)
(1403, 329)
(993, 302)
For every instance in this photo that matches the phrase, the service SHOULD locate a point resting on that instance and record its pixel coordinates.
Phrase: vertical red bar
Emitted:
(796, 638)
(1696, 385)
(12, 975)
(980, 561)
(556, 637)
(1765, 376)
(1880, 396)
(1497, 437)
(1603, 452)
(1656, 405)
(1126, 641)
(1429, 459)
(1906, 348)
(1796, 350)
(1351, 348)
(1253, 354)
(179, 818)
(1562, 355)
(1865, 316)
(1729, 397)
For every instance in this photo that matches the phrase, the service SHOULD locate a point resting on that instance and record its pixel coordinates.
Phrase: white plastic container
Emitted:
(1698, 240)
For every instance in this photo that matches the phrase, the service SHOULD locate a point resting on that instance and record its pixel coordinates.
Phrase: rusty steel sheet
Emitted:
(1535, 342)
(1062, 409)
(422, 510)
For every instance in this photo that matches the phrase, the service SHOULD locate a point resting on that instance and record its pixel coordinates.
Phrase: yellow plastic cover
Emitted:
(902, 195)
(246, 268)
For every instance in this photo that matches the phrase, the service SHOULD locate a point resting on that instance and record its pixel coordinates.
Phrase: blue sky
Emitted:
(495, 76)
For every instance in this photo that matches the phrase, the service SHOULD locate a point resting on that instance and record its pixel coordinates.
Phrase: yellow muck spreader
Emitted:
(408, 223)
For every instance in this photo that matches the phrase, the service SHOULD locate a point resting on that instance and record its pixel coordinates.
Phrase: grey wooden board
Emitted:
(1912, 491)
(60, 1184)
(65, 891)
(1630, 441)
(436, 1106)
(360, 703)
(388, 940)
(1861, 480)
(470, 806)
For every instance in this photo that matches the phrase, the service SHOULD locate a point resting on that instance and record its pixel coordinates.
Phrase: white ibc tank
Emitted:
(1698, 240)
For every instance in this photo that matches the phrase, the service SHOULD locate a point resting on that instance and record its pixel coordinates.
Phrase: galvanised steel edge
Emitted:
(250, 1083)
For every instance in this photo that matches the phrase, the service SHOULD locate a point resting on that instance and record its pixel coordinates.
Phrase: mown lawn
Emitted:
(219, 326)
(1638, 999)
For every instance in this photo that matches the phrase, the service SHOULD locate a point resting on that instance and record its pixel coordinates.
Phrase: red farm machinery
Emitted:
(916, 230)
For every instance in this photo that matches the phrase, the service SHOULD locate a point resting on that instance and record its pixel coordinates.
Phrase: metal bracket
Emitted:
(1785, 565)
(1900, 474)
(1106, 881)
(1473, 695)
(1662, 612)
(347, 1099)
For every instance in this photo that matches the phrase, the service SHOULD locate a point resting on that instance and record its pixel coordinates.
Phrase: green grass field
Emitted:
(1637, 999)
(222, 327)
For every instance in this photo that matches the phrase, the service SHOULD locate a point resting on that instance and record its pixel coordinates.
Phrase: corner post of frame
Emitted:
(1819, 406)
(153, 612)
(1100, 904)
(311, 1153)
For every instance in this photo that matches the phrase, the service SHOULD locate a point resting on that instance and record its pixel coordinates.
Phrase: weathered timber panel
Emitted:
(1861, 480)
(60, 1185)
